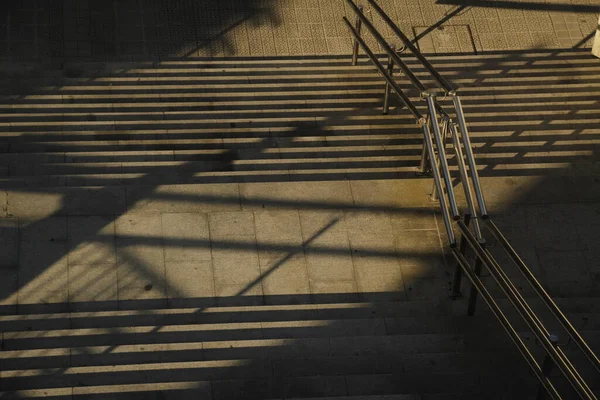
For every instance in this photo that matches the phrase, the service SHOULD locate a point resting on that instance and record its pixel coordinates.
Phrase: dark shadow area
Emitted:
(58, 30)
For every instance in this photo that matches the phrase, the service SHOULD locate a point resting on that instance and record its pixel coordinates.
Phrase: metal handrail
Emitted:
(409, 45)
(525, 311)
(476, 242)
(390, 80)
(440, 144)
(438, 184)
(391, 53)
(462, 170)
(546, 299)
(510, 330)
(460, 116)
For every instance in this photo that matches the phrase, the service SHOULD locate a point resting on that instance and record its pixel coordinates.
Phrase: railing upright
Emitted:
(409, 44)
(390, 80)
(437, 179)
(356, 44)
(440, 144)
(460, 116)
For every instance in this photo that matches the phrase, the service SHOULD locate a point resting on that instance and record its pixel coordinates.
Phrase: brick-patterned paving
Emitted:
(154, 29)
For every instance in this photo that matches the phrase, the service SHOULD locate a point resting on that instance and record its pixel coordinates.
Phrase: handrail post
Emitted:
(547, 369)
(440, 143)
(422, 170)
(464, 176)
(462, 123)
(445, 123)
(403, 97)
(438, 182)
(355, 44)
(386, 98)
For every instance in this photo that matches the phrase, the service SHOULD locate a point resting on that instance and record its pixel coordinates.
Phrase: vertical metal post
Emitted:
(472, 302)
(386, 99)
(355, 47)
(424, 160)
(462, 248)
(438, 182)
(430, 99)
(434, 192)
(464, 176)
(469, 153)
(547, 368)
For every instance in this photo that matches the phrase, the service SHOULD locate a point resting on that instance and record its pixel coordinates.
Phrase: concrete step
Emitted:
(221, 314)
(352, 387)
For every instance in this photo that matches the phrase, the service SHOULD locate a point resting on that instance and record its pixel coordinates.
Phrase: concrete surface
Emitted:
(152, 29)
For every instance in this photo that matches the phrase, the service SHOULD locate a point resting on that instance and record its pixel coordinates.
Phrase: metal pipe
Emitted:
(469, 153)
(462, 169)
(408, 43)
(438, 183)
(430, 99)
(541, 292)
(384, 73)
(510, 330)
(530, 318)
(539, 330)
(386, 46)
(423, 163)
(386, 99)
(434, 192)
(355, 44)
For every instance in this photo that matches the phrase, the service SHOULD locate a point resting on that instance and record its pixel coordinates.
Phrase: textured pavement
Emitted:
(152, 29)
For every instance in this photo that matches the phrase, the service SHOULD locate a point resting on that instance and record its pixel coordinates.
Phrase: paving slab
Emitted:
(288, 27)
(141, 265)
(284, 272)
(91, 240)
(186, 237)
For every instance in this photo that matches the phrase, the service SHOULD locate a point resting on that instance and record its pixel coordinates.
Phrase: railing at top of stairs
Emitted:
(437, 126)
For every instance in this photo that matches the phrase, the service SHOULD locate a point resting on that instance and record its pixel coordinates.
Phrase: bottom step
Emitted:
(354, 387)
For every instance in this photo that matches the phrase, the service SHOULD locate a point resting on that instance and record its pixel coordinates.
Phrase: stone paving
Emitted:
(276, 241)
(152, 29)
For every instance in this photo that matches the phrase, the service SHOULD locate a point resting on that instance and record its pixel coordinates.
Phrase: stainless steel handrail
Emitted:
(440, 144)
(408, 43)
(460, 160)
(546, 299)
(476, 242)
(437, 179)
(460, 116)
(530, 318)
(386, 76)
(391, 52)
(510, 330)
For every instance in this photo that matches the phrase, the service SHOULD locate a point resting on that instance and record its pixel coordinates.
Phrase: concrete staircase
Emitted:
(84, 126)
(411, 350)
(283, 119)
